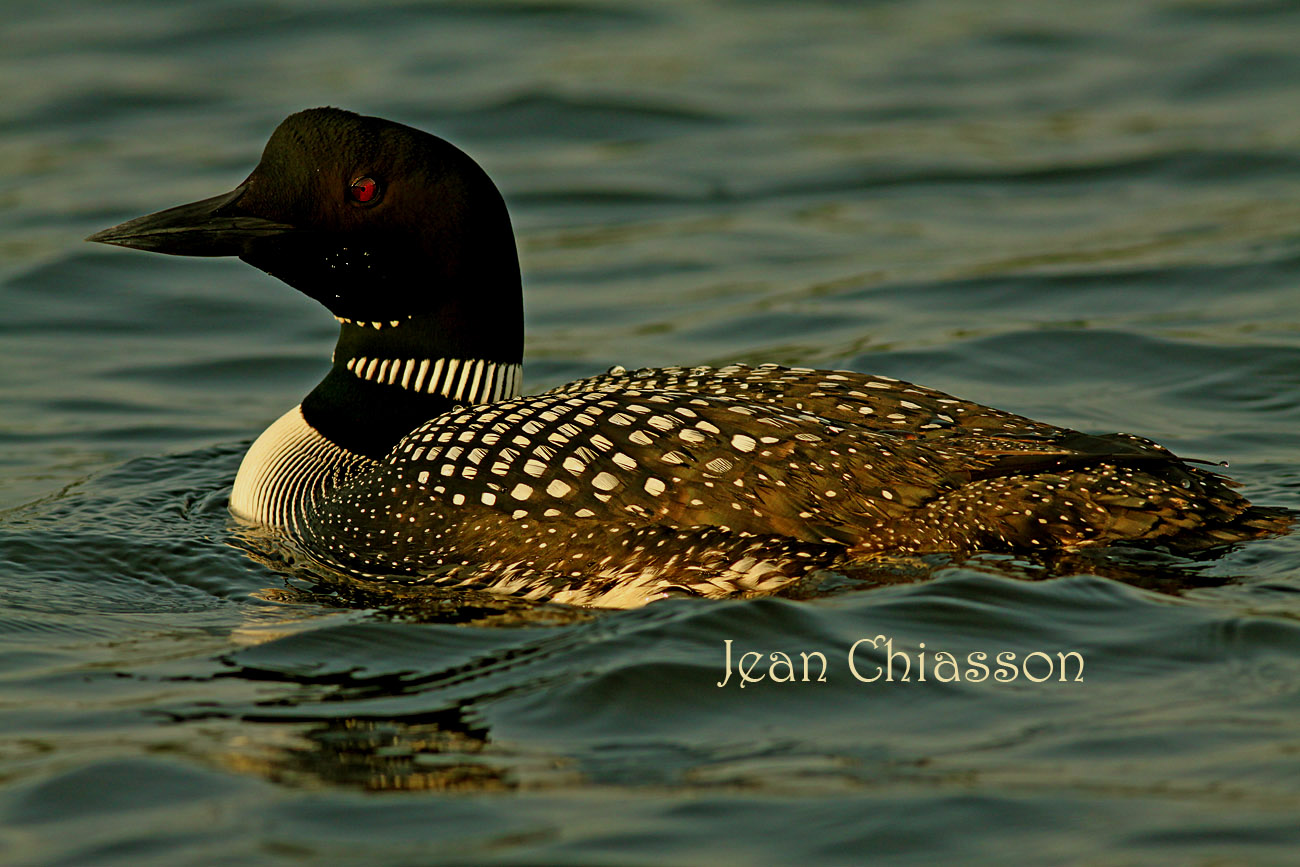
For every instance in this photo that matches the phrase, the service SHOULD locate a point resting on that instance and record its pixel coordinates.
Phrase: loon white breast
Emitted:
(416, 456)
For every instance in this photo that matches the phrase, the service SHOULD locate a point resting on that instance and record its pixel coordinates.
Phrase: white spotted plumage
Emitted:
(589, 450)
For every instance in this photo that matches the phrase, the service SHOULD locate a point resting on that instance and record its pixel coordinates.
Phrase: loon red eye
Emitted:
(364, 190)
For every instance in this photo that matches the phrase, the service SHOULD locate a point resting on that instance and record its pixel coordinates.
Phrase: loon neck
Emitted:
(390, 376)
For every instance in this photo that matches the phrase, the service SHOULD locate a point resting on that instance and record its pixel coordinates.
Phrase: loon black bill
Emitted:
(210, 227)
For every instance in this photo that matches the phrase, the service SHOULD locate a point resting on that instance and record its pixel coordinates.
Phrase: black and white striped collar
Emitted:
(472, 380)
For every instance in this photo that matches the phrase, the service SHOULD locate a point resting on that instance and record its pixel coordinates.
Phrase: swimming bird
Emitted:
(417, 456)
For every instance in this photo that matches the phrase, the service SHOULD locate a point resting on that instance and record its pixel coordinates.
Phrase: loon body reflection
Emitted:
(417, 456)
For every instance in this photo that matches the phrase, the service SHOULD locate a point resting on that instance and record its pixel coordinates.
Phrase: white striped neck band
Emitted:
(471, 380)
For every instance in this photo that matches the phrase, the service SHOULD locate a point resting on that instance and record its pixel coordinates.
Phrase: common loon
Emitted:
(416, 455)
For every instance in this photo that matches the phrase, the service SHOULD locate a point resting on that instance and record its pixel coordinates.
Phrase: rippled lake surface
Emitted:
(1087, 213)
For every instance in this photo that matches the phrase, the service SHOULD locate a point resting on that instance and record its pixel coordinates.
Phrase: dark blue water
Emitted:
(1086, 213)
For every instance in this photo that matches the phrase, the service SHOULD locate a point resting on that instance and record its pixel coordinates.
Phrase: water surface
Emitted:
(1081, 212)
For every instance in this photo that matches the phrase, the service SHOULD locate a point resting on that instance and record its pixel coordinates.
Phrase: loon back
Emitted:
(416, 456)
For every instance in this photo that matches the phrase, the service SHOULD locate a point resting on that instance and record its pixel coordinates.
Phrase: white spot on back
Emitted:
(743, 443)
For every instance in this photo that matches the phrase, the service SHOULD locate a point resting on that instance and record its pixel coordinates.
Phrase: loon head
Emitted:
(392, 229)
(406, 241)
